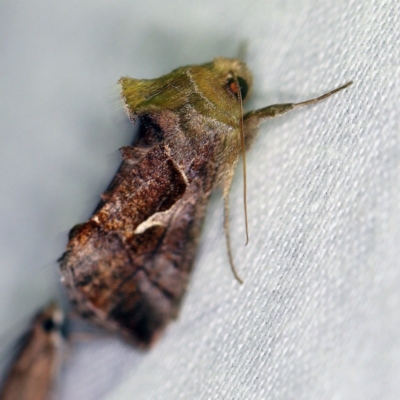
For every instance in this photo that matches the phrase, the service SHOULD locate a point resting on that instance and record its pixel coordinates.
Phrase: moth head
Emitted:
(50, 320)
(232, 72)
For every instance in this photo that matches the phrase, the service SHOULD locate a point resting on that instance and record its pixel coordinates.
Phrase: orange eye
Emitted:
(232, 86)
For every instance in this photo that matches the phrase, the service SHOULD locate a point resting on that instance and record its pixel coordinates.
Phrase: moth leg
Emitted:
(228, 238)
(252, 119)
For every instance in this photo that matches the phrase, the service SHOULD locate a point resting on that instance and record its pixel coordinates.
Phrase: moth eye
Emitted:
(48, 325)
(243, 87)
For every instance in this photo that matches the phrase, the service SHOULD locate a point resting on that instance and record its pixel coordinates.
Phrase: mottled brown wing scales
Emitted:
(147, 312)
(154, 185)
(127, 267)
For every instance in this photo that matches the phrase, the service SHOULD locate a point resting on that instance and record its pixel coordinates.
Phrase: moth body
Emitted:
(35, 368)
(128, 266)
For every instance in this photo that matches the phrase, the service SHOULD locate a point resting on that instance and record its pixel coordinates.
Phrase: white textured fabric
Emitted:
(318, 315)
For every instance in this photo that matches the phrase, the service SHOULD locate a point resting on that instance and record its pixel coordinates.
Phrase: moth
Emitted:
(38, 359)
(128, 266)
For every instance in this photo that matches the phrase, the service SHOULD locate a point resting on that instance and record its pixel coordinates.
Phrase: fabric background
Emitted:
(318, 315)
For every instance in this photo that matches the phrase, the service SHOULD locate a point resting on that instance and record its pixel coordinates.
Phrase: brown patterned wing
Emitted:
(127, 267)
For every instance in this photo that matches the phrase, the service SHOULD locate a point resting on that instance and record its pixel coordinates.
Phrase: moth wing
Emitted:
(37, 358)
(143, 96)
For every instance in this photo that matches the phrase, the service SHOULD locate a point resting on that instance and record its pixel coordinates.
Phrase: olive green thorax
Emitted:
(204, 87)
